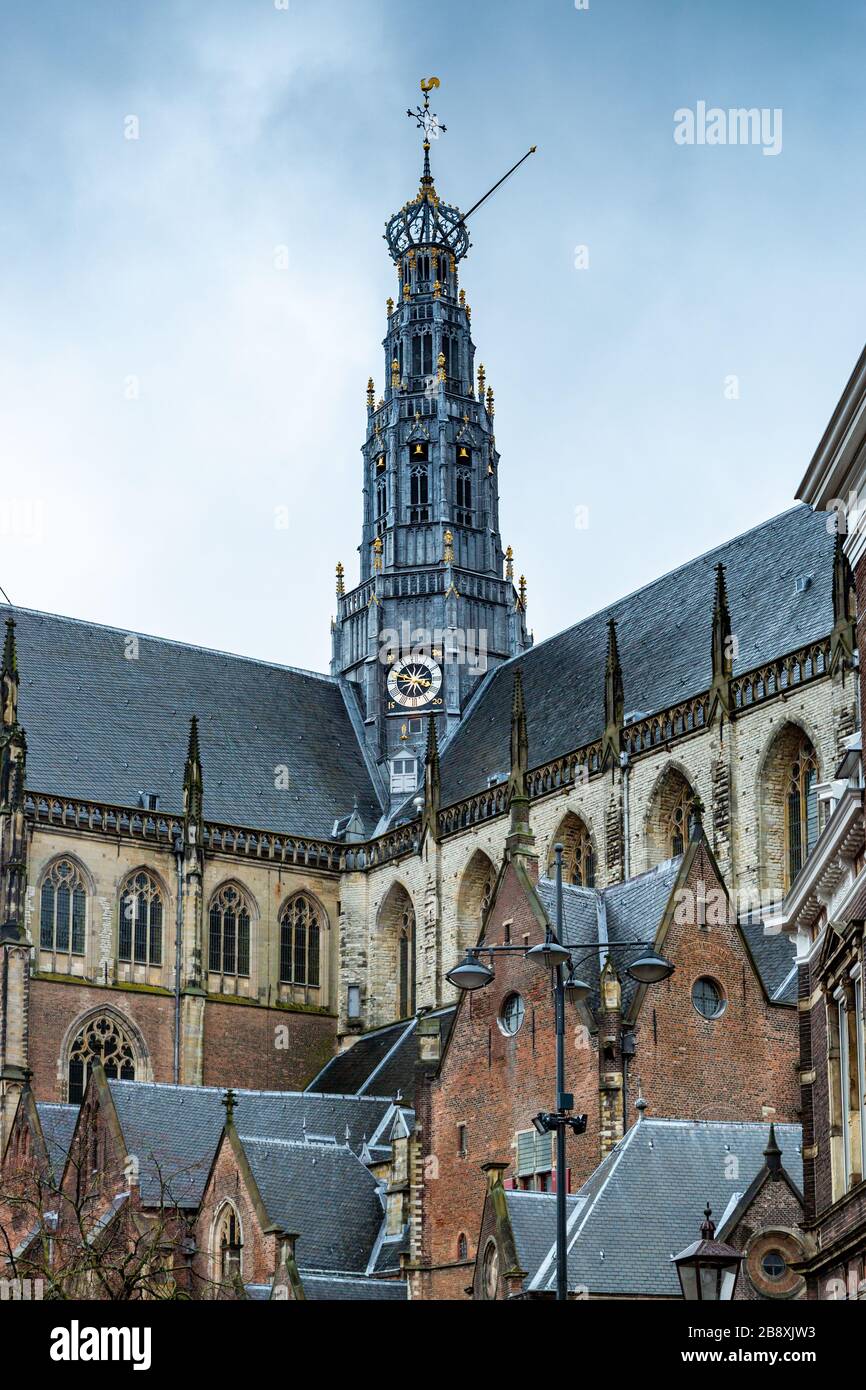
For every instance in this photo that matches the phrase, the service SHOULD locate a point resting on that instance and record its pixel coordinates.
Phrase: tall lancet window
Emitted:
(229, 944)
(419, 492)
(63, 909)
(381, 503)
(463, 510)
(141, 913)
(300, 937)
(801, 807)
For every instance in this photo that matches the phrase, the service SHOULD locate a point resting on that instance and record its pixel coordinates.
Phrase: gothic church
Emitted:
(216, 870)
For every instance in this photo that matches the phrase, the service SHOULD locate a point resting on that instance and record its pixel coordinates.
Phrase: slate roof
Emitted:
(627, 911)
(633, 910)
(318, 1287)
(104, 727)
(382, 1061)
(774, 955)
(58, 1126)
(664, 639)
(323, 1193)
(174, 1130)
(644, 1204)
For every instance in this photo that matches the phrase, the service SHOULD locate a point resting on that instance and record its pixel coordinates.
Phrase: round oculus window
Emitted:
(707, 997)
(512, 1014)
(774, 1265)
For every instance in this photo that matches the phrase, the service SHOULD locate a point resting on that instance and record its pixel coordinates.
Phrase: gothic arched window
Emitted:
(300, 938)
(578, 857)
(419, 493)
(229, 941)
(406, 983)
(801, 807)
(227, 1244)
(680, 819)
(381, 498)
(102, 1039)
(63, 909)
(141, 913)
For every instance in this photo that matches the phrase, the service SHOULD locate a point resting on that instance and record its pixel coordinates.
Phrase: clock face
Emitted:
(415, 681)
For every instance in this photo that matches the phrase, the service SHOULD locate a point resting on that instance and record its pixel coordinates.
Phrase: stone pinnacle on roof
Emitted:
(772, 1153)
(614, 702)
(432, 782)
(722, 648)
(193, 781)
(10, 655)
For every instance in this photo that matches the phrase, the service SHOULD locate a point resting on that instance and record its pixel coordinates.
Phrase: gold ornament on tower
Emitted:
(440, 363)
(377, 554)
(371, 393)
(395, 374)
(509, 563)
(448, 557)
(341, 587)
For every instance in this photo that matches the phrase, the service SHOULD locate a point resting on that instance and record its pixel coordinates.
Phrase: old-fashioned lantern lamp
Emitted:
(708, 1269)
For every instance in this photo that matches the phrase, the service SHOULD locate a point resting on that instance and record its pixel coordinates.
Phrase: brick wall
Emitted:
(741, 1066)
(726, 1068)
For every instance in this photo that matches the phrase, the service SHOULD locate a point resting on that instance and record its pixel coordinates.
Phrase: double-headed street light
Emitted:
(472, 973)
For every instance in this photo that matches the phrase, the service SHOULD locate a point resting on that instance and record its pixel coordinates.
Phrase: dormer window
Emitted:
(148, 801)
(404, 774)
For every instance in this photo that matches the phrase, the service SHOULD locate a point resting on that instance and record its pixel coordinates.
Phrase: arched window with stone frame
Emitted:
(301, 923)
(227, 1245)
(395, 922)
(578, 854)
(671, 816)
(142, 912)
(229, 919)
(788, 808)
(801, 807)
(63, 908)
(103, 1038)
(473, 899)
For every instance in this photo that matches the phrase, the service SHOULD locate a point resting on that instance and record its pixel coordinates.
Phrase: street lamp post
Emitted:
(472, 974)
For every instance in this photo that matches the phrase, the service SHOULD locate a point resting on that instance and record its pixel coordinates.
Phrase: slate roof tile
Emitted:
(174, 1130)
(101, 726)
(644, 1203)
(664, 639)
(324, 1194)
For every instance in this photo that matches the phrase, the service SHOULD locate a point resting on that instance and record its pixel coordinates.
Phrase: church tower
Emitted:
(436, 605)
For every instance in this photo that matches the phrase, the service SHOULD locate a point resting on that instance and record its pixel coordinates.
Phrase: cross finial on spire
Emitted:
(429, 122)
(228, 1101)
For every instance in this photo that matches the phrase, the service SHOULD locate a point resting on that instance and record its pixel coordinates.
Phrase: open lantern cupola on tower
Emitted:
(433, 610)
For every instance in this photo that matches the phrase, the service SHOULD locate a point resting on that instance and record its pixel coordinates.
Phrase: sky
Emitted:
(193, 285)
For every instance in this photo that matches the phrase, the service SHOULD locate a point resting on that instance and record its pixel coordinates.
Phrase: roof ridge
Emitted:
(241, 1091)
(173, 642)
